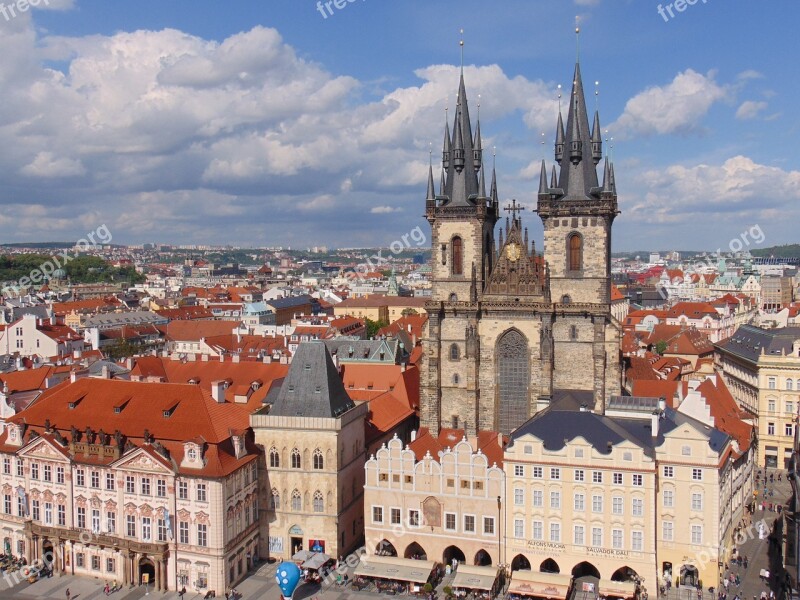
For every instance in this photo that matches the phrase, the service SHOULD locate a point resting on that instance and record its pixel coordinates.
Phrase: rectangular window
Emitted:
(637, 480)
(555, 499)
(161, 533)
(616, 505)
(788, 429)
(519, 471)
(110, 567)
(637, 507)
(450, 521)
(34, 470)
(669, 498)
(95, 563)
(578, 538)
(697, 534)
(95, 521)
(617, 478)
(145, 486)
(183, 532)
(469, 523)
(130, 526)
(538, 530)
(6, 466)
(161, 488)
(413, 518)
(130, 484)
(538, 498)
(48, 513)
(80, 559)
(579, 503)
(668, 529)
(597, 477)
(62, 514)
(519, 496)
(111, 522)
(146, 529)
(669, 471)
(201, 492)
(394, 515)
(95, 479)
(637, 541)
(183, 490)
(697, 474)
(48, 473)
(537, 472)
(579, 474)
(697, 501)
(597, 537)
(771, 405)
(20, 468)
(555, 532)
(488, 525)
(790, 408)
(80, 478)
(35, 510)
(21, 508)
(555, 473)
(110, 484)
(597, 504)
(202, 534)
(771, 383)
(81, 517)
(616, 539)
(377, 514)
(519, 528)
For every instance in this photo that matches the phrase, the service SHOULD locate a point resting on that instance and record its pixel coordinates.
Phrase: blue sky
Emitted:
(261, 122)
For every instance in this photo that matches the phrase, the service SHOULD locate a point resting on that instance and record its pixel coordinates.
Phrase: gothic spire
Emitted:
(578, 175)
(597, 139)
(431, 191)
(560, 136)
(553, 178)
(462, 181)
(543, 179)
(607, 176)
(446, 147)
(477, 153)
(482, 185)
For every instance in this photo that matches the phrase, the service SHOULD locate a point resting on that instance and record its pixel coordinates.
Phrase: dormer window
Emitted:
(191, 453)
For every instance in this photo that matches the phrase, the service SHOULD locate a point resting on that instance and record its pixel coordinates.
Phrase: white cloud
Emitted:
(383, 210)
(677, 107)
(750, 109)
(46, 165)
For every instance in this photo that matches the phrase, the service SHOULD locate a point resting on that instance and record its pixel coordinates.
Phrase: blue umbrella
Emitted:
(288, 576)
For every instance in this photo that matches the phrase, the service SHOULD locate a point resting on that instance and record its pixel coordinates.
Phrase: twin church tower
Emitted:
(511, 331)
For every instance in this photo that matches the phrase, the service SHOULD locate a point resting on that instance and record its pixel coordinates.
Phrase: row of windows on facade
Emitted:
(637, 480)
(450, 519)
(317, 504)
(617, 502)
(145, 483)
(574, 253)
(788, 406)
(317, 460)
(43, 513)
(626, 456)
(772, 383)
(597, 533)
(788, 429)
(465, 484)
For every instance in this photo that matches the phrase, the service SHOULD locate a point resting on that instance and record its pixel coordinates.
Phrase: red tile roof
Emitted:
(489, 443)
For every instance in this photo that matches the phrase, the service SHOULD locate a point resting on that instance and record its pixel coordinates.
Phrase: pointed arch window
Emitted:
(575, 252)
(318, 461)
(573, 333)
(295, 458)
(319, 503)
(274, 458)
(276, 499)
(513, 377)
(297, 502)
(455, 353)
(457, 258)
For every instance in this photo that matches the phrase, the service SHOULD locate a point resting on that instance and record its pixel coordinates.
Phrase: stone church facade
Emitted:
(510, 331)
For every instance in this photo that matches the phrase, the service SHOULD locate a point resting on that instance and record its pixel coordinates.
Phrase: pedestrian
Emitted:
(745, 561)
(106, 589)
(183, 591)
(69, 595)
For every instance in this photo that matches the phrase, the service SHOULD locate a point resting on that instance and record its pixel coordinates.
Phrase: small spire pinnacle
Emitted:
(543, 179)
(461, 43)
(442, 184)
(446, 145)
(482, 184)
(607, 176)
(597, 139)
(431, 190)
(493, 188)
(560, 138)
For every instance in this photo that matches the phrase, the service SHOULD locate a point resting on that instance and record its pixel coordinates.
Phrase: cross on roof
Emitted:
(514, 208)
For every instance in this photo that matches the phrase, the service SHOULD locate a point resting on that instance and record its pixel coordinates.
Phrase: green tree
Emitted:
(374, 326)
(121, 348)
(661, 347)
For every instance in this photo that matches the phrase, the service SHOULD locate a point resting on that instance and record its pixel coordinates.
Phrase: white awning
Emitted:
(398, 569)
(475, 578)
(617, 589)
(540, 585)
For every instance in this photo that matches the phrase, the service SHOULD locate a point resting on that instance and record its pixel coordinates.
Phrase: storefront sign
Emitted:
(545, 545)
(275, 545)
(607, 552)
(295, 530)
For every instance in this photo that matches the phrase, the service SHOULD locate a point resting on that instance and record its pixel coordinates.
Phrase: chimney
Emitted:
(129, 363)
(236, 358)
(204, 357)
(105, 373)
(654, 419)
(218, 391)
(584, 408)
(662, 404)
(413, 435)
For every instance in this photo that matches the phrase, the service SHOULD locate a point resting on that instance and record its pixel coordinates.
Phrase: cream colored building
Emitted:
(640, 492)
(761, 367)
(442, 507)
(313, 440)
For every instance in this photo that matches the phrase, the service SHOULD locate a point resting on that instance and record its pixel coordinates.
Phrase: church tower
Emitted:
(462, 218)
(577, 213)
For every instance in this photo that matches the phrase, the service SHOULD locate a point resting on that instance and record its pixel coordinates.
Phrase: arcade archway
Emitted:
(414, 550)
(625, 574)
(483, 558)
(549, 566)
(585, 569)
(147, 571)
(520, 563)
(453, 552)
(385, 548)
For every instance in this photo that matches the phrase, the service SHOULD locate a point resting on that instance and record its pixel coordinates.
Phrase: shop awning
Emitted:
(540, 585)
(475, 578)
(316, 560)
(302, 556)
(398, 569)
(617, 589)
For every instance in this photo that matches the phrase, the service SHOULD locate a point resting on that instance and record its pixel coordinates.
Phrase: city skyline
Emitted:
(289, 125)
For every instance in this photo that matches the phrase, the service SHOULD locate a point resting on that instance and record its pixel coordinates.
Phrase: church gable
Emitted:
(518, 271)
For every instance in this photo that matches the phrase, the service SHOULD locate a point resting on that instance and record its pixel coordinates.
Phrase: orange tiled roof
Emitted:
(488, 443)
(185, 331)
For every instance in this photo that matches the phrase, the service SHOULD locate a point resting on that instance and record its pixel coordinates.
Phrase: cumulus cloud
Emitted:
(383, 210)
(46, 165)
(677, 107)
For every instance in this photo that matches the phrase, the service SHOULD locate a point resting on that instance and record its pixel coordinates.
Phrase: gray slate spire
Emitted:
(578, 174)
(543, 179)
(597, 139)
(312, 387)
(553, 178)
(461, 182)
(560, 137)
(431, 190)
